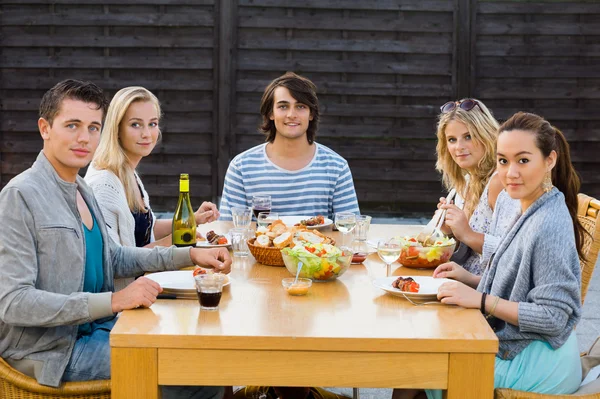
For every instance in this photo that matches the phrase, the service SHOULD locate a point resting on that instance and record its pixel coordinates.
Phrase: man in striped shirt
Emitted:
(301, 176)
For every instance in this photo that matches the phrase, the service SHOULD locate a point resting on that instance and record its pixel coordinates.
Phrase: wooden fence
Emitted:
(382, 69)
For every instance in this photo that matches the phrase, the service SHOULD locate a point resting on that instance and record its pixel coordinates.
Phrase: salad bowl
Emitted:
(321, 262)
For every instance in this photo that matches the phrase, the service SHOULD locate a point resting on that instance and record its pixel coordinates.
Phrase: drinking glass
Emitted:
(261, 203)
(242, 216)
(239, 236)
(209, 289)
(362, 227)
(264, 219)
(345, 222)
(389, 252)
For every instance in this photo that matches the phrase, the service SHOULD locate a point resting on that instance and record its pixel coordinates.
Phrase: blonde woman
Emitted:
(466, 151)
(130, 133)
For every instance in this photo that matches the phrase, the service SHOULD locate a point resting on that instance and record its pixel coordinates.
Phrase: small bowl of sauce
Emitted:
(359, 257)
(301, 287)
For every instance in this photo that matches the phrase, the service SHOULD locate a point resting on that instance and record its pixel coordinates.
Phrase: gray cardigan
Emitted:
(537, 265)
(42, 263)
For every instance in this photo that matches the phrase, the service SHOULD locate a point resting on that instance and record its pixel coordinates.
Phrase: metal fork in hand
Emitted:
(422, 303)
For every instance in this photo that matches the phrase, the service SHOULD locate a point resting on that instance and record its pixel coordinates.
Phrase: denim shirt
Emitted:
(42, 261)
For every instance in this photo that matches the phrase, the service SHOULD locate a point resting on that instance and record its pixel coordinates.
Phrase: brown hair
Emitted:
(548, 138)
(303, 91)
(73, 89)
(483, 128)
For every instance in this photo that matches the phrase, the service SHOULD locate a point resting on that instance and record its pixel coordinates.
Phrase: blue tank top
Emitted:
(93, 277)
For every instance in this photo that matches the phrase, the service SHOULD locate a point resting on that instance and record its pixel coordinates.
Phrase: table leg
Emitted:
(134, 373)
(470, 376)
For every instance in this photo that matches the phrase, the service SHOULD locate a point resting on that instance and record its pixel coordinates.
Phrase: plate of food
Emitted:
(422, 288)
(181, 280)
(213, 240)
(310, 222)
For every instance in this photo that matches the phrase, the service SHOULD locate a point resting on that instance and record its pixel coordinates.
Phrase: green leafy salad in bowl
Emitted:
(320, 262)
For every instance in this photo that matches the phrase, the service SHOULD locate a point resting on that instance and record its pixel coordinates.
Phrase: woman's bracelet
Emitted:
(482, 308)
(491, 314)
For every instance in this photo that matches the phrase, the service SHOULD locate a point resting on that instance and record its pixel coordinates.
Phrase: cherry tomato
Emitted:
(222, 240)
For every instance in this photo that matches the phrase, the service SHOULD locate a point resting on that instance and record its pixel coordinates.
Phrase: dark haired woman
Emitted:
(530, 290)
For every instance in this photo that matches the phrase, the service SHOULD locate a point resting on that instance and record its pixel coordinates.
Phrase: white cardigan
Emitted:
(110, 194)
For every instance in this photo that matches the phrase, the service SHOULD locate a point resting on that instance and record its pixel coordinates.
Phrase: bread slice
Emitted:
(283, 240)
(262, 241)
(310, 237)
(261, 230)
(278, 227)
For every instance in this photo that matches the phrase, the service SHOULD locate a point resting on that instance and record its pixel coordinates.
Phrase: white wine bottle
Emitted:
(184, 220)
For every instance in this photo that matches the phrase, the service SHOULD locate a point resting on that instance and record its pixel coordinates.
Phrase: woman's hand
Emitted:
(207, 213)
(456, 272)
(457, 221)
(217, 258)
(457, 293)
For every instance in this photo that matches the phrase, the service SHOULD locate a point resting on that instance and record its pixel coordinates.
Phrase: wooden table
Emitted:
(345, 333)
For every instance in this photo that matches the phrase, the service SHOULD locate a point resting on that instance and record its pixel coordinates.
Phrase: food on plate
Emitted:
(414, 254)
(314, 221)
(198, 270)
(406, 284)
(319, 261)
(216, 239)
(209, 273)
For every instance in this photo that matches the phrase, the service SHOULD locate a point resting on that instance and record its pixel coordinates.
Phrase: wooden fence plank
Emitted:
(70, 62)
(385, 24)
(393, 5)
(75, 18)
(536, 8)
(141, 41)
(116, 2)
(437, 46)
(537, 28)
(366, 66)
(358, 88)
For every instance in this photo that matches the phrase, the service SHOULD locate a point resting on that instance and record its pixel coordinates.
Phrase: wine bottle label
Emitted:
(184, 186)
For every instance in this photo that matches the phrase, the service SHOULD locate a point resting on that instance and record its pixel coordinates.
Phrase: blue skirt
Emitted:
(538, 368)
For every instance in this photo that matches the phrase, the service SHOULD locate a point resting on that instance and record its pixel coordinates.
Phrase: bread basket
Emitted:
(270, 256)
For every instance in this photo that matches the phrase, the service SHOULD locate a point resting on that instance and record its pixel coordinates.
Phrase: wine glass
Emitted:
(345, 222)
(261, 203)
(389, 252)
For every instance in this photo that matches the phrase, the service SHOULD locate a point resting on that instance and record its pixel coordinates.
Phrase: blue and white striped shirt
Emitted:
(323, 187)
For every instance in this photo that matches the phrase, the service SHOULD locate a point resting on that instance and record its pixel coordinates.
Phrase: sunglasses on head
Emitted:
(467, 104)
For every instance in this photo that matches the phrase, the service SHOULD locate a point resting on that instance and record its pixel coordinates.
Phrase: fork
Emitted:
(423, 303)
(433, 227)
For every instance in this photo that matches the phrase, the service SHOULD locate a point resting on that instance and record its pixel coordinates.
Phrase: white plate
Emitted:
(205, 244)
(292, 220)
(427, 291)
(179, 280)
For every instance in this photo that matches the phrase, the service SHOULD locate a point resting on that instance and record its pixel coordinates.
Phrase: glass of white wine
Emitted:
(389, 252)
(345, 222)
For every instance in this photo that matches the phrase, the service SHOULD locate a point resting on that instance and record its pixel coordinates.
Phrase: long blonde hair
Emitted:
(110, 154)
(483, 128)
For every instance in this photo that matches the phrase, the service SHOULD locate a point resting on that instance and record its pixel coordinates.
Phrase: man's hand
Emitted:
(207, 213)
(217, 258)
(142, 292)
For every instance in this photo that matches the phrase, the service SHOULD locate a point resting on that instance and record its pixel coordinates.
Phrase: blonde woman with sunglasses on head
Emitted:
(130, 133)
(467, 134)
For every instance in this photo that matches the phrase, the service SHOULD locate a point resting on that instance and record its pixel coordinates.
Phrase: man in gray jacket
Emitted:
(57, 263)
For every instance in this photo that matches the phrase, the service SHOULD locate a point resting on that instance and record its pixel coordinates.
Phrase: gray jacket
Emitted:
(42, 263)
(537, 265)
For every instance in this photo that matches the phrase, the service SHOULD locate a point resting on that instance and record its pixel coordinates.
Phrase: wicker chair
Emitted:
(15, 385)
(589, 215)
